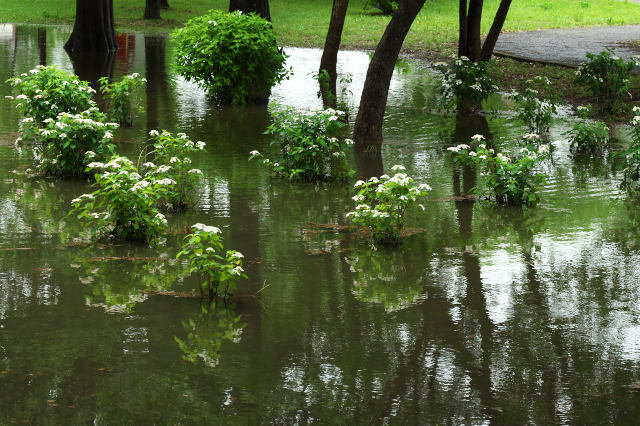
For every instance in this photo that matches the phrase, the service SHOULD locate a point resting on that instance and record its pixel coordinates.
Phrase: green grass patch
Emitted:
(305, 22)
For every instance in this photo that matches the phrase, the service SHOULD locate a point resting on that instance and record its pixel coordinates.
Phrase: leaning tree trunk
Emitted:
(152, 9)
(330, 53)
(261, 7)
(164, 4)
(494, 32)
(368, 127)
(93, 30)
(474, 19)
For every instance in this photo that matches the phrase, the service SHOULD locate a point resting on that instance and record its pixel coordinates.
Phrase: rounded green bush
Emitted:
(233, 55)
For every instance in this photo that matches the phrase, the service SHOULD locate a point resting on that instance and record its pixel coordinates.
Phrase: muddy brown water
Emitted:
(484, 315)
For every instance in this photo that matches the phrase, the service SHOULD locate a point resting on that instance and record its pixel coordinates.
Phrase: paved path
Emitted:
(568, 46)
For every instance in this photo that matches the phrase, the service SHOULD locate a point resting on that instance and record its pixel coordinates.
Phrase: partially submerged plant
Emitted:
(537, 111)
(169, 159)
(383, 203)
(233, 55)
(121, 97)
(509, 179)
(126, 205)
(632, 154)
(307, 145)
(202, 247)
(47, 91)
(465, 84)
(67, 138)
(606, 76)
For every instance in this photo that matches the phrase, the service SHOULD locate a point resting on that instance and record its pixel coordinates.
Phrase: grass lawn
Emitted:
(304, 23)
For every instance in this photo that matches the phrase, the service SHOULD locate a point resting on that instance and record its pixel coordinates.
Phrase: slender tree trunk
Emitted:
(151, 9)
(93, 29)
(260, 7)
(42, 45)
(330, 53)
(474, 19)
(494, 32)
(462, 38)
(368, 127)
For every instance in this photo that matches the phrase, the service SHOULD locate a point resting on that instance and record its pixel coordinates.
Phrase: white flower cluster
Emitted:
(206, 228)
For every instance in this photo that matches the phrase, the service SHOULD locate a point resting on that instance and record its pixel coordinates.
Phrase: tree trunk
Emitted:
(494, 32)
(330, 53)
(93, 29)
(474, 18)
(462, 38)
(42, 45)
(151, 9)
(368, 127)
(164, 4)
(261, 7)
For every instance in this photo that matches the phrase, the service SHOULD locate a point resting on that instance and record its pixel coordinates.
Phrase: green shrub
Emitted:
(70, 138)
(536, 113)
(169, 160)
(386, 6)
(606, 76)
(510, 180)
(121, 97)
(383, 203)
(233, 55)
(47, 91)
(126, 205)
(202, 248)
(631, 177)
(465, 84)
(588, 137)
(307, 146)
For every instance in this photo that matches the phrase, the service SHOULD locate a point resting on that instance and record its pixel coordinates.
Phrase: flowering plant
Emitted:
(588, 136)
(202, 247)
(129, 202)
(383, 202)
(465, 84)
(510, 179)
(69, 139)
(537, 113)
(606, 75)
(121, 97)
(234, 55)
(307, 146)
(169, 161)
(632, 154)
(46, 91)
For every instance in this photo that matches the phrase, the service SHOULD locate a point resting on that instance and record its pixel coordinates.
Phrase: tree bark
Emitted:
(462, 38)
(151, 9)
(164, 4)
(330, 53)
(261, 7)
(42, 45)
(494, 32)
(368, 127)
(93, 29)
(474, 19)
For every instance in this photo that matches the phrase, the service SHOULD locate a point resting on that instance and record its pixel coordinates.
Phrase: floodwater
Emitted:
(484, 315)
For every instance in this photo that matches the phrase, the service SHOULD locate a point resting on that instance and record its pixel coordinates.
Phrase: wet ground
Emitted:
(569, 46)
(484, 315)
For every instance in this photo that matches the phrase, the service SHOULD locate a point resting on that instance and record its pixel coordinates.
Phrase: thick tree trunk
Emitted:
(474, 18)
(164, 4)
(330, 53)
(462, 38)
(151, 9)
(260, 7)
(93, 30)
(368, 127)
(494, 32)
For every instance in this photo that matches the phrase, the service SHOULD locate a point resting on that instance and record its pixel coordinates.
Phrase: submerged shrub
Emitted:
(307, 146)
(126, 205)
(606, 76)
(47, 91)
(632, 171)
(169, 160)
(537, 112)
(121, 97)
(383, 203)
(69, 139)
(465, 84)
(509, 179)
(233, 55)
(202, 247)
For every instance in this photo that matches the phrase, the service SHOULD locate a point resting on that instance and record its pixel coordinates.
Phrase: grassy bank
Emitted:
(305, 22)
